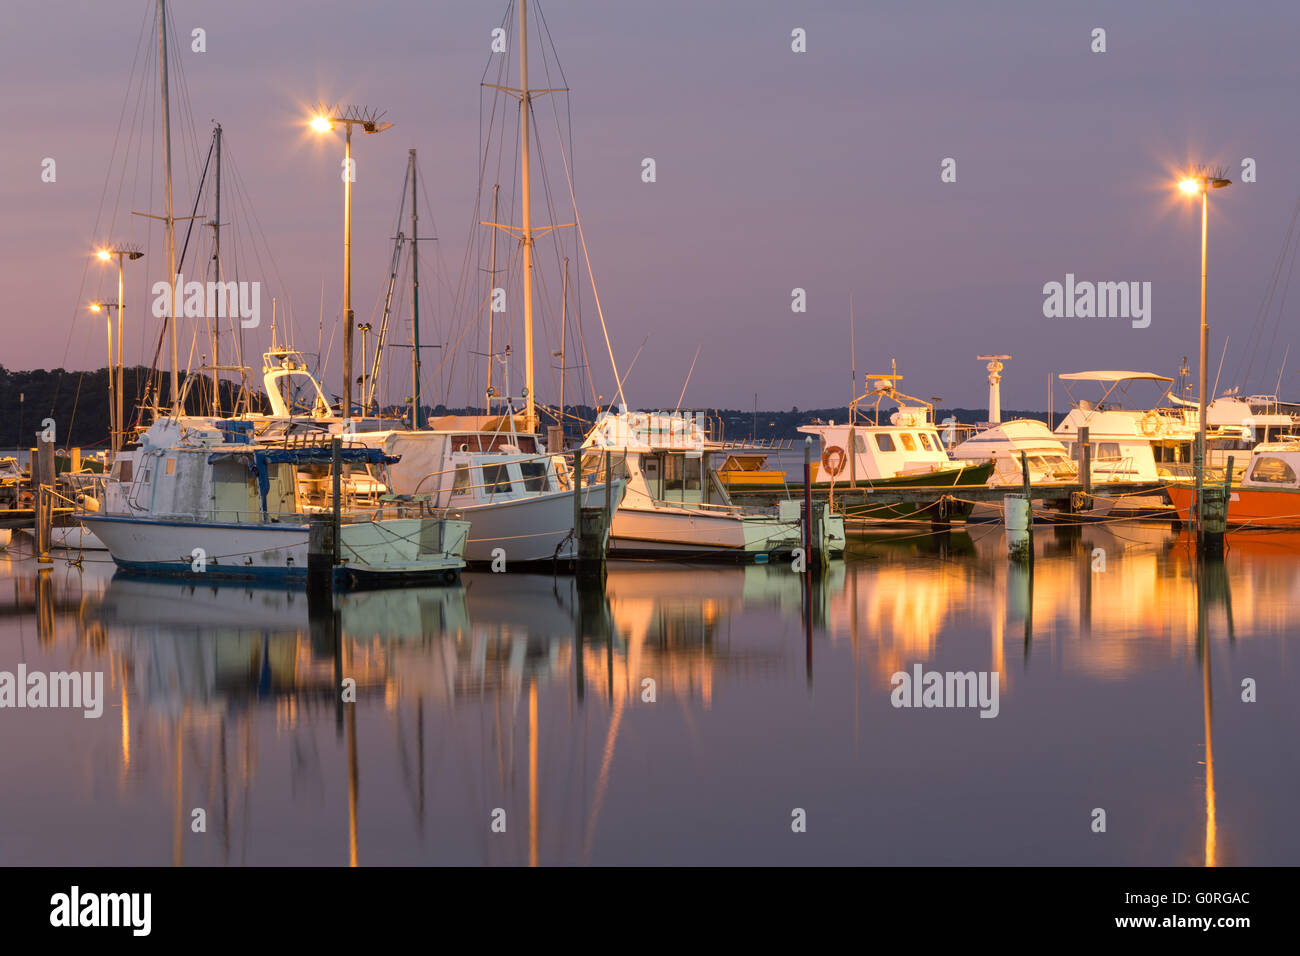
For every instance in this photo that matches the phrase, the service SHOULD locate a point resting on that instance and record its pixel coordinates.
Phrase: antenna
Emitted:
(853, 354)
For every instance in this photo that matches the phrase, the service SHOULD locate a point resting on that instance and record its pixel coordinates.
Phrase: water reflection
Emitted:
(526, 720)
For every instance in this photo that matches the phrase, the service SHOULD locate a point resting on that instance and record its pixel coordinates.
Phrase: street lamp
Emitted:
(115, 394)
(98, 307)
(1201, 182)
(324, 121)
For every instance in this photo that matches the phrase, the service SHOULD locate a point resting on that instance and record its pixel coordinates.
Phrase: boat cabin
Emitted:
(1274, 465)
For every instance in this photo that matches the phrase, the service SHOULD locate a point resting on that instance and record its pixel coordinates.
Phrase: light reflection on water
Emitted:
(523, 694)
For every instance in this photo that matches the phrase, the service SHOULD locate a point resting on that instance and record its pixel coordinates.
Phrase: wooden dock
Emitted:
(943, 503)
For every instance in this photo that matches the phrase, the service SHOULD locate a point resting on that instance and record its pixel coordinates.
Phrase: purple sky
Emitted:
(775, 170)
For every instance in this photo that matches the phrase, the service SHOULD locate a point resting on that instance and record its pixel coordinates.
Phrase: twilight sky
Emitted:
(775, 170)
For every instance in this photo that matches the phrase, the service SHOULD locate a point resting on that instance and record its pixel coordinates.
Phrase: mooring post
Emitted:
(1015, 509)
(43, 481)
(1214, 515)
(807, 498)
(44, 521)
(609, 493)
(577, 506)
(1085, 464)
(320, 552)
(336, 480)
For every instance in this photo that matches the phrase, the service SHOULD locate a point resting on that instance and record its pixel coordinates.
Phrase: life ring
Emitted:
(833, 459)
(1152, 424)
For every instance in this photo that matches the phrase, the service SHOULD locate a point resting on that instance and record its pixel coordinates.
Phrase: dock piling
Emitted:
(1016, 515)
(336, 479)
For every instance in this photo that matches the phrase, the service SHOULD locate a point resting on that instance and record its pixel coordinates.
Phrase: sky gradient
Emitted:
(775, 170)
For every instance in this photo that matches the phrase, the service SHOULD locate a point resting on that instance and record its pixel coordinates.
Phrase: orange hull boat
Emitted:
(1247, 507)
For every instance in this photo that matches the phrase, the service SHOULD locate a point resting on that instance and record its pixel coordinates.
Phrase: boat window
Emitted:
(460, 483)
(122, 469)
(925, 441)
(859, 446)
(1272, 470)
(651, 470)
(496, 480)
(171, 466)
(534, 475)
(1105, 450)
(691, 473)
(884, 443)
(909, 443)
(673, 477)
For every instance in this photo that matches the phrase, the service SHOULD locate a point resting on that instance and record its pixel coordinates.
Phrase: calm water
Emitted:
(517, 693)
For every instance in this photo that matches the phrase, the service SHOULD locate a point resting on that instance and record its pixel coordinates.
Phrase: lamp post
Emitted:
(114, 428)
(1201, 182)
(326, 119)
(115, 394)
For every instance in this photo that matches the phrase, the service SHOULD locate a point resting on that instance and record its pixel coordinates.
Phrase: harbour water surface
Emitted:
(520, 703)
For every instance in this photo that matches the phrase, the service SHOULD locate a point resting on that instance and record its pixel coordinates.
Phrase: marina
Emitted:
(538, 434)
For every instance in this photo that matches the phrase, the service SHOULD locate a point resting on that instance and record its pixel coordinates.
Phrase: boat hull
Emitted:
(530, 530)
(1247, 507)
(683, 533)
(395, 551)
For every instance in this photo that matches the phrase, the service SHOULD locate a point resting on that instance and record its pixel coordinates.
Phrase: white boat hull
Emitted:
(76, 537)
(642, 532)
(535, 528)
(404, 547)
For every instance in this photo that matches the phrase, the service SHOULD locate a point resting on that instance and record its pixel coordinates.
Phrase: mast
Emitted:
(564, 317)
(216, 256)
(525, 108)
(491, 295)
(853, 355)
(346, 411)
(171, 223)
(415, 300)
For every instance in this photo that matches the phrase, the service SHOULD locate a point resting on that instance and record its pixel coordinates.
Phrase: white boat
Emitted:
(517, 496)
(1002, 445)
(906, 451)
(189, 502)
(676, 505)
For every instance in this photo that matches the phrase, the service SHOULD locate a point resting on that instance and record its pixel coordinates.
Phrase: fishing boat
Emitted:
(1267, 496)
(675, 503)
(517, 495)
(905, 452)
(197, 500)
